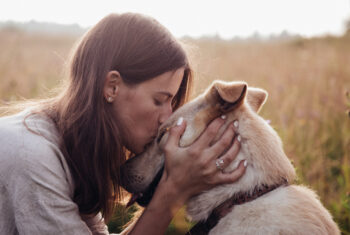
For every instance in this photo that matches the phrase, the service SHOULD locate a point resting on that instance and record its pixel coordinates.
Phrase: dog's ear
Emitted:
(256, 98)
(229, 94)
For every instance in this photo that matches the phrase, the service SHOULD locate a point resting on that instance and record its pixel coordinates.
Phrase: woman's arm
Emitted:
(160, 211)
(40, 194)
(37, 187)
(188, 171)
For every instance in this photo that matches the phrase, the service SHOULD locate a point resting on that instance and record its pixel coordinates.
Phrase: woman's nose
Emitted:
(165, 115)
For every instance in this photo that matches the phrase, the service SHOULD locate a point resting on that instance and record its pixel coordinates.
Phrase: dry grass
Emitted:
(306, 80)
(31, 64)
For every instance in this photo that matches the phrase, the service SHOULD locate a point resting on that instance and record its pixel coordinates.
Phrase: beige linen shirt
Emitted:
(36, 186)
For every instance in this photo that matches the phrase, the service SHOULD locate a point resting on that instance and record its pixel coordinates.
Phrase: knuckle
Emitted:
(237, 145)
(203, 164)
(214, 126)
(223, 180)
(167, 149)
(207, 169)
(229, 158)
(209, 179)
(211, 182)
(212, 130)
(205, 177)
(234, 149)
(206, 163)
(232, 153)
(225, 141)
(216, 180)
(172, 131)
(193, 152)
(236, 175)
(234, 178)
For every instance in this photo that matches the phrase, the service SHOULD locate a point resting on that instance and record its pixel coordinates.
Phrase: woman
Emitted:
(60, 160)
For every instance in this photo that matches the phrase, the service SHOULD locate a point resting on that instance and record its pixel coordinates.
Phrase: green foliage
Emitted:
(171, 230)
(341, 212)
(121, 216)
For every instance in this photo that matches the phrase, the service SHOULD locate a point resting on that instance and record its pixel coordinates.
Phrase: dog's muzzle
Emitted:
(143, 199)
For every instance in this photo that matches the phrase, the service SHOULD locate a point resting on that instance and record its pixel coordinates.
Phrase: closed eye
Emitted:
(162, 100)
(162, 97)
(157, 102)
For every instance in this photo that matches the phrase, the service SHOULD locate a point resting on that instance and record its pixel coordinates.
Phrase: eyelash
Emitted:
(157, 103)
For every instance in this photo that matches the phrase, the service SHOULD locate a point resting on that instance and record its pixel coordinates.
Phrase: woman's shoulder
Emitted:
(30, 147)
(27, 131)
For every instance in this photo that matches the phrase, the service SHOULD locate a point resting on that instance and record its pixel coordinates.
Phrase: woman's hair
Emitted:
(139, 48)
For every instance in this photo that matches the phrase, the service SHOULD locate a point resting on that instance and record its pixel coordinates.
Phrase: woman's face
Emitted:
(140, 109)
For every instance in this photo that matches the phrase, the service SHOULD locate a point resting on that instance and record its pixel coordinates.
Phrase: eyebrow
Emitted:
(165, 93)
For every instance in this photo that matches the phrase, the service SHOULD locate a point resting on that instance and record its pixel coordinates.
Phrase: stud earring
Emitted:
(110, 99)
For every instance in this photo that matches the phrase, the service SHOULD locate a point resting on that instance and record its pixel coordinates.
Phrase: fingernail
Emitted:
(235, 123)
(223, 116)
(179, 121)
(239, 138)
(245, 163)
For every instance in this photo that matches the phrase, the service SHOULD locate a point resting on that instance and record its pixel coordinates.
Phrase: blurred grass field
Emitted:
(308, 81)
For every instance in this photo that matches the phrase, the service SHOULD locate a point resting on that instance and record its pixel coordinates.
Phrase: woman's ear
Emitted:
(112, 85)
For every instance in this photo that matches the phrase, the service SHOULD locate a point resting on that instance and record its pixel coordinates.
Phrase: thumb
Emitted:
(176, 132)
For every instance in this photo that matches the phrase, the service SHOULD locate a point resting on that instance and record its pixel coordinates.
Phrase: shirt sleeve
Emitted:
(41, 193)
(96, 224)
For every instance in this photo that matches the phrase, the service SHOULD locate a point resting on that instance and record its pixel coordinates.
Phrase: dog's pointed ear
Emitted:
(229, 94)
(256, 98)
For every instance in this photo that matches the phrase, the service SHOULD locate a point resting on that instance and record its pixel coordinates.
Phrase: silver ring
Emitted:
(219, 164)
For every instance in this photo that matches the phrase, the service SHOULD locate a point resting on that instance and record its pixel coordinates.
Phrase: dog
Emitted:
(263, 200)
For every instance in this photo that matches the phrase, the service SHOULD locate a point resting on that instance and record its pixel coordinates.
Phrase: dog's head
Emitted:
(221, 98)
(234, 99)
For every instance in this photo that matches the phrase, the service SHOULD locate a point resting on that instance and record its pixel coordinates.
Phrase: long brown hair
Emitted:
(139, 48)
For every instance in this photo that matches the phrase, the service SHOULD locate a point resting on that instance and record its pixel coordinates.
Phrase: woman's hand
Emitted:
(187, 172)
(191, 170)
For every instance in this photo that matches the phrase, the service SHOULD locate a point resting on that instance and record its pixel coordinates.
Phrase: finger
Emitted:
(226, 178)
(176, 132)
(225, 142)
(231, 153)
(210, 132)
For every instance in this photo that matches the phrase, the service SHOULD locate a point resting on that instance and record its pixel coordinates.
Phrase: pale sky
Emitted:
(195, 17)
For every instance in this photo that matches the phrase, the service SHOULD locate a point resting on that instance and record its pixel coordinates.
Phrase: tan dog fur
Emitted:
(289, 209)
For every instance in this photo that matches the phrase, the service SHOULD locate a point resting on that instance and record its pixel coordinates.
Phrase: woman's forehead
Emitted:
(167, 83)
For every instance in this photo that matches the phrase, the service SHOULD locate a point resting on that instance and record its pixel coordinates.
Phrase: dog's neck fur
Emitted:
(267, 163)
